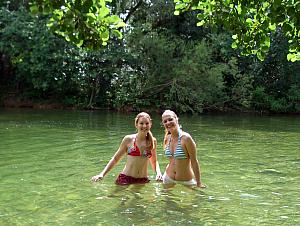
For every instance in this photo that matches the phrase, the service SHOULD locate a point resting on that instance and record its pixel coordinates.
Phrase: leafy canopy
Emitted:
(86, 23)
(251, 21)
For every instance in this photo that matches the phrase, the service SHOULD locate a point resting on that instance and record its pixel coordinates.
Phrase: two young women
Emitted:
(140, 148)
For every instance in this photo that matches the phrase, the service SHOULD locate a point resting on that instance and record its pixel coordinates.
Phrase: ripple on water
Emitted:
(54, 155)
(248, 196)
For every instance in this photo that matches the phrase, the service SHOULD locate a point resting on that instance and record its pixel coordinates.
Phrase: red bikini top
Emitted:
(135, 151)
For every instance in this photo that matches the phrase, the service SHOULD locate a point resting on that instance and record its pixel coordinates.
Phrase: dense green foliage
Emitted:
(86, 23)
(163, 61)
(251, 21)
(46, 67)
(91, 23)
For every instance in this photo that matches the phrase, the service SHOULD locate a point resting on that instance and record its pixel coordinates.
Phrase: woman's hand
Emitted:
(200, 185)
(97, 178)
(159, 177)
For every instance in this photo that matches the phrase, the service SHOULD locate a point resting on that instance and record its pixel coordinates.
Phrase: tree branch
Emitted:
(132, 10)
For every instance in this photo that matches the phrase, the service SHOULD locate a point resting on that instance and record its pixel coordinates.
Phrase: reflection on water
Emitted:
(250, 166)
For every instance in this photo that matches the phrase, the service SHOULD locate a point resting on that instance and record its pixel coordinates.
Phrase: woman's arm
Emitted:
(154, 162)
(114, 160)
(192, 151)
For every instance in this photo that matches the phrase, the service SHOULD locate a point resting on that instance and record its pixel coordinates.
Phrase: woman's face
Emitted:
(169, 121)
(143, 124)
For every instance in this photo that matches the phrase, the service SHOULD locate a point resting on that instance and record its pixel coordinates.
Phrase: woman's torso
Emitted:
(136, 164)
(179, 167)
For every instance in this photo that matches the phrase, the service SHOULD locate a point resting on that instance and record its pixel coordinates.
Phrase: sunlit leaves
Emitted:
(252, 22)
(85, 23)
(293, 56)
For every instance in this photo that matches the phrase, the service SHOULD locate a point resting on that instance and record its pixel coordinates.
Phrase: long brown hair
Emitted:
(149, 136)
(172, 113)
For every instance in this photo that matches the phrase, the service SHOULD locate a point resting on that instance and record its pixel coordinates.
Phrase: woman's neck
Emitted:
(141, 136)
(174, 133)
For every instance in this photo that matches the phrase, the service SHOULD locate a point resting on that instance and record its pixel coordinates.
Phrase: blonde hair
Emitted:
(169, 112)
(172, 113)
(149, 136)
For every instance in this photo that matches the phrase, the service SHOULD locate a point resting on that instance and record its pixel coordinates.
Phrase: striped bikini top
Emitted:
(179, 152)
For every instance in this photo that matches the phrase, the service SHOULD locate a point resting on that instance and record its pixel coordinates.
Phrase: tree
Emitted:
(276, 80)
(251, 22)
(37, 65)
(86, 23)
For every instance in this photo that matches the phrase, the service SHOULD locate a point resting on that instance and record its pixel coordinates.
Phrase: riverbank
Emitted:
(13, 102)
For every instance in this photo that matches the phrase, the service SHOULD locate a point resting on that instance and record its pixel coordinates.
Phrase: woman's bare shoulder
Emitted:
(186, 136)
(128, 138)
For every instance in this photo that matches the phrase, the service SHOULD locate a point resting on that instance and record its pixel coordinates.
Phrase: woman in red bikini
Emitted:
(140, 148)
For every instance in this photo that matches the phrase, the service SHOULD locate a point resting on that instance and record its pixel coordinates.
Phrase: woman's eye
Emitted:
(170, 120)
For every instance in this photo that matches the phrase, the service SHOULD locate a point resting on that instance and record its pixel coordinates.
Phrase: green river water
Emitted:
(250, 164)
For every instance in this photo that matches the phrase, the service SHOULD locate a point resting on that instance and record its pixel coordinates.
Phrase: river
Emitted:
(250, 164)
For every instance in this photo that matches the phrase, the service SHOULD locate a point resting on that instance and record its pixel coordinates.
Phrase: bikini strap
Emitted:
(134, 141)
(179, 136)
(168, 142)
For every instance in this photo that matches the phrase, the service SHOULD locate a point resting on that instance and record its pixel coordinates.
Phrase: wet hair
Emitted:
(149, 136)
(172, 113)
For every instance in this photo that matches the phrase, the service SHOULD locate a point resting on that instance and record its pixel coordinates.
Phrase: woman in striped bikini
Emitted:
(180, 148)
(140, 149)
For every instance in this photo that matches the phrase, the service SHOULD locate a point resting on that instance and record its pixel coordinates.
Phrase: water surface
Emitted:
(250, 165)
